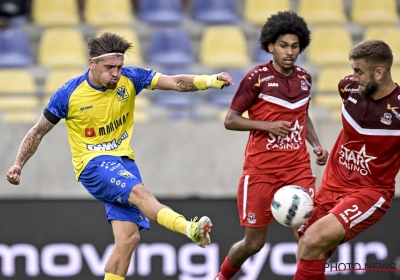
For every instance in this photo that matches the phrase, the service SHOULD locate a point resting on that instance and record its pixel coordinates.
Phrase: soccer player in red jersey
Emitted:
(276, 96)
(359, 180)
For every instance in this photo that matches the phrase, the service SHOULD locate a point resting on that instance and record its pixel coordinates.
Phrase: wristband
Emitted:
(207, 81)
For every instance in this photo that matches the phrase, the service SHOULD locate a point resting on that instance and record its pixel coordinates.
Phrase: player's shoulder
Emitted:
(134, 71)
(301, 71)
(257, 74)
(71, 85)
(346, 84)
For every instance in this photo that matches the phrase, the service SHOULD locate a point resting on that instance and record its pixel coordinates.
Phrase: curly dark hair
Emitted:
(287, 22)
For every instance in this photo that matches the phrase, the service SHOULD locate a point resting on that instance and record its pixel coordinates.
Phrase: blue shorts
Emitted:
(110, 179)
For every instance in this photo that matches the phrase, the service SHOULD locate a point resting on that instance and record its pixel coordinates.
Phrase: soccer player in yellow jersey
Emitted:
(98, 108)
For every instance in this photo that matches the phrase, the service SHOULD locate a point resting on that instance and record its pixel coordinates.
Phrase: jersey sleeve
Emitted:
(245, 94)
(141, 78)
(58, 104)
(345, 86)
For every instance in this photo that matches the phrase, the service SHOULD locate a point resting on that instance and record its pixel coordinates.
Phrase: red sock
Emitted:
(310, 270)
(228, 270)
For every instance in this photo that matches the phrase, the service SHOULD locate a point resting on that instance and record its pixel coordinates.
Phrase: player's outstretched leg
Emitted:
(198, 231)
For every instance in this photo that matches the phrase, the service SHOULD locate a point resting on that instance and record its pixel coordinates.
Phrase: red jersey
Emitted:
(366, 152)
(270, 96)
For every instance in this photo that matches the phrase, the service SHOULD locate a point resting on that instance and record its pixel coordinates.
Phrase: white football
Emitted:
(292, 206)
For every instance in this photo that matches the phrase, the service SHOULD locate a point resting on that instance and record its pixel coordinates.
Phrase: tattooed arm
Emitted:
(185, 82)
(28, 148)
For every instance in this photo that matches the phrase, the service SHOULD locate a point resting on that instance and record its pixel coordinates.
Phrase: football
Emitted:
(292, 206)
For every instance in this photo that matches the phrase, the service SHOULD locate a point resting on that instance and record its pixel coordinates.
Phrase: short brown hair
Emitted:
(107, 43)
(375, 52)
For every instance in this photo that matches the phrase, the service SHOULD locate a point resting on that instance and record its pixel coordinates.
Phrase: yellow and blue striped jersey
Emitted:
(99, 120)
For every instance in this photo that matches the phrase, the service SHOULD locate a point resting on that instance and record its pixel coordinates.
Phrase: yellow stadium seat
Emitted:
(21, 103)
(328, 101)
(223, 112)
(224, 47)
(322, 11)
(330, 46)
(141, 117)
(257, 12)
(142, 102)
(396, 74)
(20, 117)
(373, 12)
(58, 77)
(62, 48)
(133, 58)
(328, 78)
(388, 34)
(108, 12)
(14, 81)
(50, 13)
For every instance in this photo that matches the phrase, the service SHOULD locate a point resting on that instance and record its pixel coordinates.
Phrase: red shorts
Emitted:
(356, 211)
(255, 194)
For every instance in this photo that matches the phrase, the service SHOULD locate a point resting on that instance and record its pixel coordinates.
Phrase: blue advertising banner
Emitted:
(71, 239)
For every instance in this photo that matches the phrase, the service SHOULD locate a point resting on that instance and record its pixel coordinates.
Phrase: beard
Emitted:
(111, 85)
(369, 89)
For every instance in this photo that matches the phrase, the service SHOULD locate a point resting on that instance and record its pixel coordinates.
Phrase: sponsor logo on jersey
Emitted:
(86, 108)
(346, 89)
(386, 119)
(273, 85)
(351, 99)
(393, 110)
(107, 146)
(356, 160)
(292, 141)
(122, 94)
(263, 80)
(113, 125)
(125, 173)
(90, 132)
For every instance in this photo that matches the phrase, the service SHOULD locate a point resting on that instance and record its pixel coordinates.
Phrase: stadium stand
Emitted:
(328, 78)
(62, 48)
(170, 47)
(222, 98)
(15, 49)
(108, 12)
(56, 79)
(373, 12)
(49, 13)
(329, 46)
(161, 12)
(322, 12)
(390, 34)
(24, 82)
(135, 57)
(19, 117)
(224, 46)
(215, 12)
(227, 37)
(257, 12)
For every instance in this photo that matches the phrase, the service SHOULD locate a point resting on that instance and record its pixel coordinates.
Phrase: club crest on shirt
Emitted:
(251, 219)
(122, 94)
(386, 119)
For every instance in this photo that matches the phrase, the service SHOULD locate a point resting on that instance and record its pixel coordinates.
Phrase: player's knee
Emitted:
(311, 243)
(254, 246)
(129, 242)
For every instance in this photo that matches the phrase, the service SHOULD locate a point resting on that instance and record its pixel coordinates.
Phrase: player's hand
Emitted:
(279, 128)
(322, 155)
(223, 76)
(13, 174)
